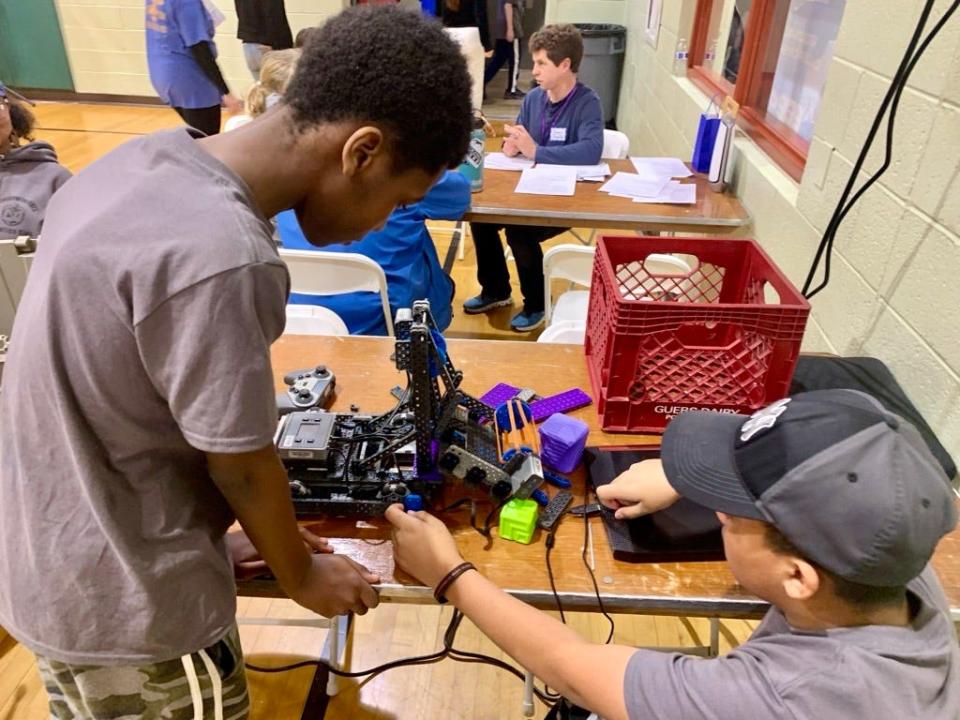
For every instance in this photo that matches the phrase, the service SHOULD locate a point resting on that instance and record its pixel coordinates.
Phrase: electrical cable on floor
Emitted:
(446, 651)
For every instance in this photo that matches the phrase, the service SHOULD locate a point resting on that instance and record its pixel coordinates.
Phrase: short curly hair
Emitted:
(21, 119)
(394, 69)
(560, 42)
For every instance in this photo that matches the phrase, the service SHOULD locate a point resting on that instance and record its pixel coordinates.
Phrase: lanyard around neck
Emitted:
(544, 128)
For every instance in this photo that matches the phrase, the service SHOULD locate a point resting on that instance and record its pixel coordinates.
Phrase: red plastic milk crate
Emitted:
(658, 345)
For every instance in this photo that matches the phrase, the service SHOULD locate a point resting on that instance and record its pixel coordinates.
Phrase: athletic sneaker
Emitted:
(526, 321)
(514, 95)
(482, 304)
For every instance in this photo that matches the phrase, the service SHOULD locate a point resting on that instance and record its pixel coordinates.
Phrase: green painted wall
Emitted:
(32, 54)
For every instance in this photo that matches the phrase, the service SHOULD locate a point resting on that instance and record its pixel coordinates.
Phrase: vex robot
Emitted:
(355, 464)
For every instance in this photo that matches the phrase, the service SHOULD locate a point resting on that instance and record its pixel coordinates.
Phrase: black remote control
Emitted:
(554, 509)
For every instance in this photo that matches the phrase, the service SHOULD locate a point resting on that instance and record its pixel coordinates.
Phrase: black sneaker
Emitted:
(514, 95)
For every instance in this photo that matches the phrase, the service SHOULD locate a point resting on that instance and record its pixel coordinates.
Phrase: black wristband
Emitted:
(449, 579)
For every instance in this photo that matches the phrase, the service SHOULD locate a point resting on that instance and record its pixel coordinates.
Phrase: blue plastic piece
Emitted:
(441, 344)
(540, 496)
(556, 480)
(412, 502)
(522, 417)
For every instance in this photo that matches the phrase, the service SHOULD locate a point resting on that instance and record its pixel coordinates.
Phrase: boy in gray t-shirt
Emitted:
(831, 508)
(138, 405)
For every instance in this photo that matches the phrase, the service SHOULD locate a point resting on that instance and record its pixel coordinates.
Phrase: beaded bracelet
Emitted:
(449, 579)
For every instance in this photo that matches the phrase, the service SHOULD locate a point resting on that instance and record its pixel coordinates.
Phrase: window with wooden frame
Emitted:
(772, 56)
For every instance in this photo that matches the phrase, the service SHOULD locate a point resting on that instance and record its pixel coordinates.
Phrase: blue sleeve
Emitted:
(448, 199)
(589, 144)
(524, 117)
(193, 23)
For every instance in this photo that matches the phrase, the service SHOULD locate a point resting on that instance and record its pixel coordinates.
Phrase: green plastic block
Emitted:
(518, 520)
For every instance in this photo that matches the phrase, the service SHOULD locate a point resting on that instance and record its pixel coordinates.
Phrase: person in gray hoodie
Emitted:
(29, 173)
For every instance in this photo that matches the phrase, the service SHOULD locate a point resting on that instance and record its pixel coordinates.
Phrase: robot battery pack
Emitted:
(305, 436)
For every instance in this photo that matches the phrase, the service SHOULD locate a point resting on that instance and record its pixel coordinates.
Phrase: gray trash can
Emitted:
(602, 64)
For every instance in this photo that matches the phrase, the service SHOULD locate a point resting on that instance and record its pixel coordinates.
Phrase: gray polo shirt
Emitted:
(142, 342)
(875, 672)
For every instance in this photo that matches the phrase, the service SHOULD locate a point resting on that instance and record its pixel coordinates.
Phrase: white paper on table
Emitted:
(635, 185)
(584, 172)
(671, 167)
(674, 193)
(499, 161)
(548, 180)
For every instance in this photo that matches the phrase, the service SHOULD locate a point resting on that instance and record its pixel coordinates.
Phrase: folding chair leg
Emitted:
(528, 694)
(461, 248)
(588, 241)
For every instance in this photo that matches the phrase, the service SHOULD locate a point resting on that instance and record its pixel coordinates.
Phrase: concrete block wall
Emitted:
(895, 287)
(587, 11)
(107, 53)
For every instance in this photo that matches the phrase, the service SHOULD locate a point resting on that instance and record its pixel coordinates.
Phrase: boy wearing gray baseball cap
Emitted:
(831, 508)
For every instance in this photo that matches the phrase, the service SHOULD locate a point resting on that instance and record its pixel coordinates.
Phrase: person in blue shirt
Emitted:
(405, 251)
(560, 123)
(182, 62)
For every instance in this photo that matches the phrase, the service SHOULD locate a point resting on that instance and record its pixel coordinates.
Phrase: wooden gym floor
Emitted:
(81, 133)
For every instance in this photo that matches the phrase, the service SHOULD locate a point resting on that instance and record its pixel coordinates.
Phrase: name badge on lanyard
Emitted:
(558, 134)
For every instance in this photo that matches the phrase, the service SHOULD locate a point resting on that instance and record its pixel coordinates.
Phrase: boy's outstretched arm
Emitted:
(589, 674)
(255, 485)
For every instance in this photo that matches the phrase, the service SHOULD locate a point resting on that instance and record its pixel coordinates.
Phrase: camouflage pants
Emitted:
(163, 691)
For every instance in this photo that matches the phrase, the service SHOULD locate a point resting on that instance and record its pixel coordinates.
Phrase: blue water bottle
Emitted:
(472, 165)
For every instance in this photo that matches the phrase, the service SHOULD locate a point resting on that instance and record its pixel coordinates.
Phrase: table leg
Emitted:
(335, 649)
(714, 637)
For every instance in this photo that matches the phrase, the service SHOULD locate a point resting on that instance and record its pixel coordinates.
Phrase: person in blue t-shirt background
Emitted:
(405, 251)
(560, 123)
(182, 61)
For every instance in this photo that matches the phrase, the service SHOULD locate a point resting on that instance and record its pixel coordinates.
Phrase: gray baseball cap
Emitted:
(848, 483)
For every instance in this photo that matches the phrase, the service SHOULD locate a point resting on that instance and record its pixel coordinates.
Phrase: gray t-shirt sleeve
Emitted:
(207, 352)
(671, 685)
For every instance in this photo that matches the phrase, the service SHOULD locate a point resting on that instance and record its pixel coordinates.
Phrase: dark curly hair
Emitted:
(22, 119)
(394, 69)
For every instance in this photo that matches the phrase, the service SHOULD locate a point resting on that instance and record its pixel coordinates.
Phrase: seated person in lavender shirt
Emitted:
(560, 123)
(404, 249)
(831, 508)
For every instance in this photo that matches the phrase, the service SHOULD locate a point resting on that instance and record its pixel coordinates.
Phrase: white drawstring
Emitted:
(194, 684)
(217, 685)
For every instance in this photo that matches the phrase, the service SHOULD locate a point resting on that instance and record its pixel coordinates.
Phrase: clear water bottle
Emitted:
(472, 165)
(680, 58)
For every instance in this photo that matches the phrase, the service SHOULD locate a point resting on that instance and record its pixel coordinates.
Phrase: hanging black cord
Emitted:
(825, 241)
(891, 99)
(551, 538)
(586, 564)
(447, 650)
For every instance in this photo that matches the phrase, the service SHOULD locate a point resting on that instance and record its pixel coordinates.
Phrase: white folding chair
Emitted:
(565, 332)
(314, 320)
(573, 263)
(16, 257)
(616, 145)
(315, 272)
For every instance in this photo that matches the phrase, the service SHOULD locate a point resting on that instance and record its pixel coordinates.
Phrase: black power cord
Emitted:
(891, 100)
(446, 651)
(586, 564)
